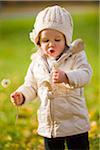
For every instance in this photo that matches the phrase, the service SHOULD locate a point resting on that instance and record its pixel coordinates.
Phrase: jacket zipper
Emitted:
(49, 70)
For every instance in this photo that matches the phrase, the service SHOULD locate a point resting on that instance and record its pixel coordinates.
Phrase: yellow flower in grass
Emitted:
(93, 126)
(93, 130)
(92, 113)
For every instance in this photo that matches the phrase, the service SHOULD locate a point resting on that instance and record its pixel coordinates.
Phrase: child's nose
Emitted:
(51, 43)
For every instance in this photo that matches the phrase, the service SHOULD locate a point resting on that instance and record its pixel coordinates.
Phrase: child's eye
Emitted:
(45, 41)
(57, 40)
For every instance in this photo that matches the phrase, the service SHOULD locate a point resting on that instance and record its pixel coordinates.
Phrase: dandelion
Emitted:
(5, 83)
(93, 131)
(93, 126)
(9, 138)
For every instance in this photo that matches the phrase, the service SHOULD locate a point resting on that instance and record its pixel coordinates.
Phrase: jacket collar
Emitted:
(75, 47)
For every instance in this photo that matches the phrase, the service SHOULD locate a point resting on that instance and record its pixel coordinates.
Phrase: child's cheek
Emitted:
(45, 52)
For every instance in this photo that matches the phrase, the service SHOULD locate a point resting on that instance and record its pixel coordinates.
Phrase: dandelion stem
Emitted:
(17, 115)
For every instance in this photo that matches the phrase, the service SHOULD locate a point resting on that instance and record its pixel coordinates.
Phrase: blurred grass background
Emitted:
(15, 52)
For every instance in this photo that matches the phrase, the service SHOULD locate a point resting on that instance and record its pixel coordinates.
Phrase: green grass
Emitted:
(15, 52)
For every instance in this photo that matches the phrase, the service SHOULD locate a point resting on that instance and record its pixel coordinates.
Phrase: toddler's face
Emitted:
(52, 42)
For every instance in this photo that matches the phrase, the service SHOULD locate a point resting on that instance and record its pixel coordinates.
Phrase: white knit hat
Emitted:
(54, 17)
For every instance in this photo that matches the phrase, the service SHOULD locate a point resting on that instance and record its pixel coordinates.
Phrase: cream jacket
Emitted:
(63, 110)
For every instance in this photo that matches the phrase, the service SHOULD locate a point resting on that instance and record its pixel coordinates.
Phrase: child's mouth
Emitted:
(51, 51)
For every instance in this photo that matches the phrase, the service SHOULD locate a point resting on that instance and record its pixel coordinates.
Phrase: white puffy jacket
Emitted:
(63, 110)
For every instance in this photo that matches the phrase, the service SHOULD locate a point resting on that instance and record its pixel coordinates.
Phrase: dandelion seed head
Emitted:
(5, 83)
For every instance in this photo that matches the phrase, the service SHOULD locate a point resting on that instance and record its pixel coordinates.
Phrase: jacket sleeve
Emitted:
(81, 73)
(29, 88)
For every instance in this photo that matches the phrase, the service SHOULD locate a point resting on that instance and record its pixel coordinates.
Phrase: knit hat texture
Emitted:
(54, 17)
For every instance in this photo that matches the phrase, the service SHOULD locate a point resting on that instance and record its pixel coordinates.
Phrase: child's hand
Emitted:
(59, 76)
(17, 98)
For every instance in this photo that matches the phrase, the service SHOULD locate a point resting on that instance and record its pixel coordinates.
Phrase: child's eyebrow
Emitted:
(58, 36)
(44, 38)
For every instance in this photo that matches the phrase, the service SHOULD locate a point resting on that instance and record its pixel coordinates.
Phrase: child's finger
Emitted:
(16, 98)
(12, 100)
(55, 78)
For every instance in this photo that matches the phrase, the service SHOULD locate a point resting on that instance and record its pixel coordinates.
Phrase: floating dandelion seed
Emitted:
(5, 83)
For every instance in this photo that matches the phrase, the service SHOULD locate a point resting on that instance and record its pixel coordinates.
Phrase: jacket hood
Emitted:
(76, 46)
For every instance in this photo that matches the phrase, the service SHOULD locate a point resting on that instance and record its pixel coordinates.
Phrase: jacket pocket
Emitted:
(62, 108)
